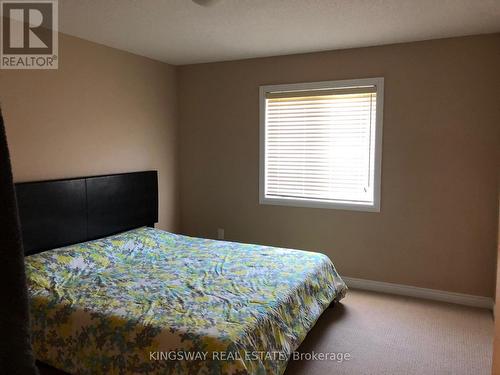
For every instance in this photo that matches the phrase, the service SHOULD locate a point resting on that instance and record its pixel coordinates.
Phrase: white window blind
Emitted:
(320, 146)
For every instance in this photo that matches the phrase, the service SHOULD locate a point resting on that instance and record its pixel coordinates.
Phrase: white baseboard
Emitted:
(413, 291)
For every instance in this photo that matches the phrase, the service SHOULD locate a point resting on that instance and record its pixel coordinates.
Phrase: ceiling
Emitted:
(184, 32)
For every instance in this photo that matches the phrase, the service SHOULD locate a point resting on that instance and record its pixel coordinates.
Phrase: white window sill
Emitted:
(336, 205)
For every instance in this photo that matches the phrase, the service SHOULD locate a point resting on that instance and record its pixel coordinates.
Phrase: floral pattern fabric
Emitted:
(152, 302)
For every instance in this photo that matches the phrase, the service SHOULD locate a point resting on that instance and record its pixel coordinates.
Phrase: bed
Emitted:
(131, 299)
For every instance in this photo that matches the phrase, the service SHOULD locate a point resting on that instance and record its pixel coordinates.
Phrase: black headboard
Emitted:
(63, 212)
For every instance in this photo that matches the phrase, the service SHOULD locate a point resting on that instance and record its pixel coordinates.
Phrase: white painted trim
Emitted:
(424, 293)
(378, 82)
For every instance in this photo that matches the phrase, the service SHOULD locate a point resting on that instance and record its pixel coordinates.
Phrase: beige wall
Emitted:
(103, 111)
(496, 342)
(438, 222)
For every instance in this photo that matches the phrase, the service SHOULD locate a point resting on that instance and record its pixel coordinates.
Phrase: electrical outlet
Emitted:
(220, 233)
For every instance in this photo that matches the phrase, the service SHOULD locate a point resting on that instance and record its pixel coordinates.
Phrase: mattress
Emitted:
(152, 302)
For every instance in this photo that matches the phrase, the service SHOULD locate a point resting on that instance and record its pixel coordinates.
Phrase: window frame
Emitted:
(378, 82)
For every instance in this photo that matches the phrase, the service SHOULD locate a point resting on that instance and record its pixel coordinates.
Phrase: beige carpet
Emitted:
(397, 335)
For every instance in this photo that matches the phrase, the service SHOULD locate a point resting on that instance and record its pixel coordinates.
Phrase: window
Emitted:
(321, 144)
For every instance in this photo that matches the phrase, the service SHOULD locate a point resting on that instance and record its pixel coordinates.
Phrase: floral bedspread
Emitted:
(151, 302)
